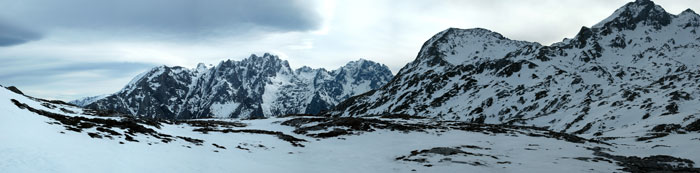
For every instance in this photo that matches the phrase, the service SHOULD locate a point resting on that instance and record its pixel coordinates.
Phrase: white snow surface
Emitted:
(31, 144)
(224, 110)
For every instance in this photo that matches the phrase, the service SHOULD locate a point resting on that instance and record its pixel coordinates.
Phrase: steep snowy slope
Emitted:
(50, 136)
(634, 71)
(254, 87)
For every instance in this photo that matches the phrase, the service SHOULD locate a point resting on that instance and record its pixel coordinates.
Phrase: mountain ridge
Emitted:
(611, 78)
(258, 86)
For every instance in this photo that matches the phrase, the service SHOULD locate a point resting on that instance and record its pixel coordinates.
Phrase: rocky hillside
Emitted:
(636, 70)
(258, 86)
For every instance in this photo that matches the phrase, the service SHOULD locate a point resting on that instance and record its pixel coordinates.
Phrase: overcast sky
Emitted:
(74, 48)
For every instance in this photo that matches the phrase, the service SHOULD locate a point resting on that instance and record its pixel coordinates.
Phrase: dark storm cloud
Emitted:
(164, 16)
(12, 35)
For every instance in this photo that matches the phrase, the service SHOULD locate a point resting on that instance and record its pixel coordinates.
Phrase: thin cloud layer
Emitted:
(59, 79)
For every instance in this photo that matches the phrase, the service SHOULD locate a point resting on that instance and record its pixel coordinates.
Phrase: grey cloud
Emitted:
(60, 79)
(112, 70)
(31, 75)
(179, 17)
(11, 35)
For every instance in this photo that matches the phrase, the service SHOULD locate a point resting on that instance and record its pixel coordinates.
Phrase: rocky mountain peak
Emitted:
(362, 70)
(364, 65)
(201, 66)
(688, 11)
(267, 58)
(455, 46)
(304, 69)
(267, 65)
(690, 16)
(253, 87)
(355, 63)
(629, 16)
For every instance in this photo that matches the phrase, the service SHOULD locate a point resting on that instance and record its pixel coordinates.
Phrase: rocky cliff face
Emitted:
(637, 69)
(259, 86)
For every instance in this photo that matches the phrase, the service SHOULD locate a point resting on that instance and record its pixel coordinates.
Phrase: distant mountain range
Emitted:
(258, 86)
(87, 100)
(635, 70)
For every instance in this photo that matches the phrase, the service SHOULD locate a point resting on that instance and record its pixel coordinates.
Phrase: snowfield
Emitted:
(32, 142)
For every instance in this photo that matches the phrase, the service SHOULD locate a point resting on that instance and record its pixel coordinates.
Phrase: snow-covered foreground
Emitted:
(31, 142)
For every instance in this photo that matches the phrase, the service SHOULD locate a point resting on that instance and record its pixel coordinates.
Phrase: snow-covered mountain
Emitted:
(258, 86)
(637, 70)
(87, 100)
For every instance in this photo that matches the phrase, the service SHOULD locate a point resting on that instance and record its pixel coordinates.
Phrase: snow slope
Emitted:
(35, 142)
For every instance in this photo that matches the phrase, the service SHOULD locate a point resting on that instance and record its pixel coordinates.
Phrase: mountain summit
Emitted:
(643, 12)
(258, 86)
